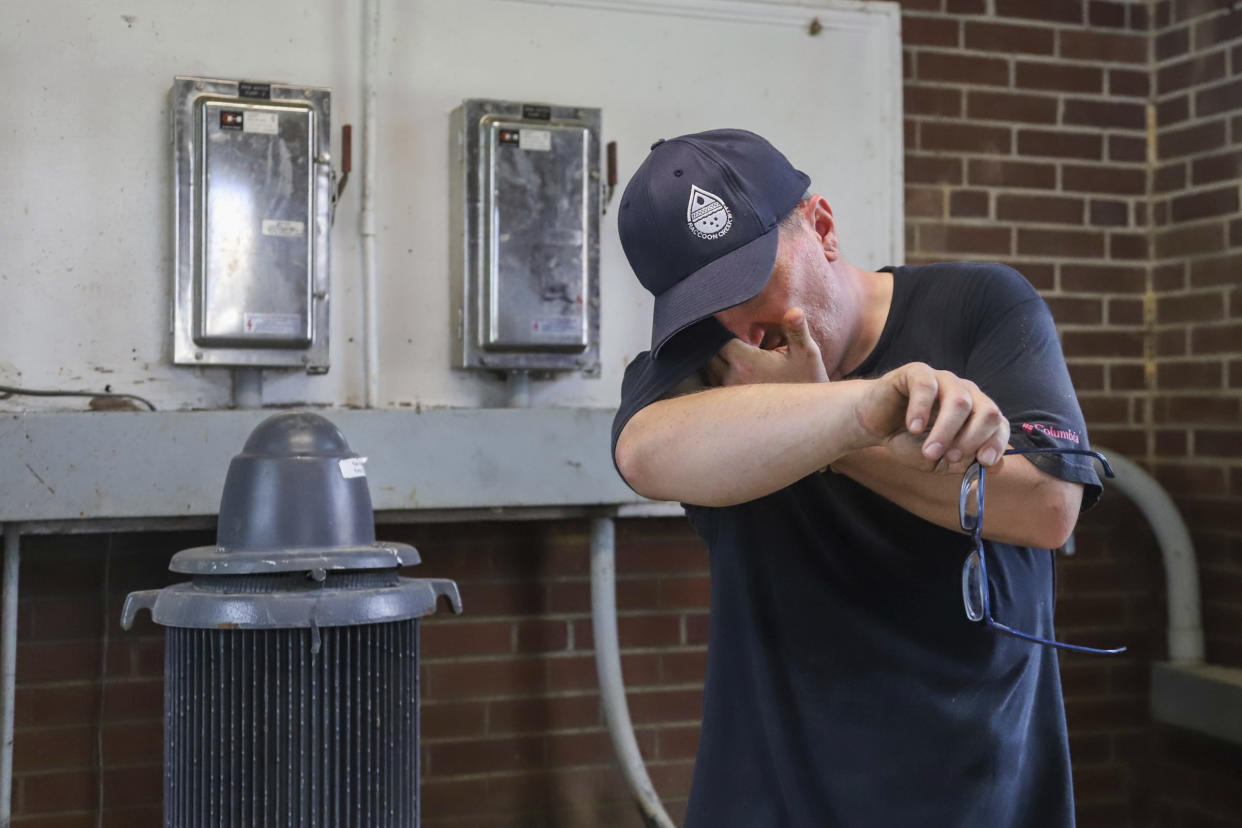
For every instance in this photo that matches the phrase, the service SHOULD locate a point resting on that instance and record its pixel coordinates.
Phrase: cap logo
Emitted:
(706, 215)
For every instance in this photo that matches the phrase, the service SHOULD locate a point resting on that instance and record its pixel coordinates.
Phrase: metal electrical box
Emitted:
(252, 180)
(525, 252)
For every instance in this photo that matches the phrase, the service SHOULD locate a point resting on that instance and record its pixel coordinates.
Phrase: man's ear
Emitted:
(819, 214)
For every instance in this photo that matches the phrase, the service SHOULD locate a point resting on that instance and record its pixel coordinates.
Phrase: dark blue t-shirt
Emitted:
(845, 685)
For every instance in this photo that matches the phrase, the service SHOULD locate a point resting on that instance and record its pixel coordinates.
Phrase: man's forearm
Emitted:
(725, 446)
(1024, 506)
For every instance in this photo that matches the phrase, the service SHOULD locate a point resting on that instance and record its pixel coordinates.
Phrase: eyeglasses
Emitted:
(975, 598)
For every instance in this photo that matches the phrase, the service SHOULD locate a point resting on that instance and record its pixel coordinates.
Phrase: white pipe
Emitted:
(518, 384)
(247, 387)
(608, 666)
(370, 79)
(1181, 572)
(8, 669)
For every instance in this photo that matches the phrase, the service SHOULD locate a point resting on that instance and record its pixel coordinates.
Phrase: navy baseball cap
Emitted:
(699, 223)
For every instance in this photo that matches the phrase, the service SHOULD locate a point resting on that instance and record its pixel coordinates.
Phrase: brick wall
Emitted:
(1029, 141)
(1097, 147)
(513, 734)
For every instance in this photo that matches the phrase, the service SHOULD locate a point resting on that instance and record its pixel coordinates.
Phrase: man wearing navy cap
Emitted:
(816, 418)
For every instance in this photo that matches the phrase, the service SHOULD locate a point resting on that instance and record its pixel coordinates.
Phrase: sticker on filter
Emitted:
(274, 324)
(286, 229)
(352, 467)
(535, 139)
(267, 123)
(557, 325)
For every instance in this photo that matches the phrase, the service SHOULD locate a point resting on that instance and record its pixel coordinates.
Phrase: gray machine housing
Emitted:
(524, 252)
(252, 196)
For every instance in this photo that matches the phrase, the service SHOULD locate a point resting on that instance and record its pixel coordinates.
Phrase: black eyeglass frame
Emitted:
(974, 525)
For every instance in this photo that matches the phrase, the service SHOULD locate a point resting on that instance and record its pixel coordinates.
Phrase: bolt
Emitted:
(198, 354)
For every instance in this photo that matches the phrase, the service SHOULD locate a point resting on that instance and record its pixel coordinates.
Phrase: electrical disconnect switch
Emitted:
(525, 218)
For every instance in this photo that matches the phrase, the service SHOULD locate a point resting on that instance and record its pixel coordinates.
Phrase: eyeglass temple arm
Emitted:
(1108, 470)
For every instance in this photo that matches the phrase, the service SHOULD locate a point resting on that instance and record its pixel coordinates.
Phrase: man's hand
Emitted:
(796, 360)
(961, 423)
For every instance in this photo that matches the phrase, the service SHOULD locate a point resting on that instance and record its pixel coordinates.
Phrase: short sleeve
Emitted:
(1015, 357)
(647, 379)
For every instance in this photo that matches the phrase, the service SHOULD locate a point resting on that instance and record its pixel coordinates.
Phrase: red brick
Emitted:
(1198, 409)
(1217, 99)
(684, 666)
(1128, 83)
(1196, 71)
(1104, 343)
(697, 629)
(685, 556)
(447, 636)
(65, 661)
(1185, 241)
(1191, 140)
(919, 30)
(1217, 29)
(930, 169)
(484, 755)
(1069, 243)
(542, 715)
(1126, 377)
(1224, 167)
(1095, 410)
(1183, 375)
(932, 100)
(1173, 110)
(58, 791)
(1007, 39)
(995, 172)
(961, 239)
(1109, 213)
(1060, 77)
(133, 743)
(968, 203)
(1004, 106)
(453, 720)
(1041, 275)
(1193, 307)
(1172, 43)
(1104, 114)
(60, 748)
(1205, 204)
(1216, 339)
(924, 202)
(1113, 48)
(964, 138)
(1171, 443)
(1106, 14)
(1125, 311)
(1085, 376)
(1139, 18)
(686, 592)
(934, 66)
(1127, 148)
(1127, 246)
(1067, 310)
(1103, 279)
(542, 635)
(678, 742)
(1171, 343)
(1060, 144)
(1235, 373)
(1044, 11)
(1169, 178)
(1039, 209)
(666, 705)
(1099, 179)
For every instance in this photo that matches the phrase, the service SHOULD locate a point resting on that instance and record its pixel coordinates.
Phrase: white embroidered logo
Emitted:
(707, 215)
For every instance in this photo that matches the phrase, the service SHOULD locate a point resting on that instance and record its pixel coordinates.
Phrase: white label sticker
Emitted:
(283, 324)
(352, 467)
(287, 229)
(535, 139)
(267, 123)
(557, 325)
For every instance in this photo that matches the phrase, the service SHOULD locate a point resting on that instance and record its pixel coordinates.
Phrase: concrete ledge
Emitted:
(75, 466)
(1202, 697)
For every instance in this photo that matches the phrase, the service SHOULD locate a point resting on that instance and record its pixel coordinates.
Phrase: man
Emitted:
(816, 418)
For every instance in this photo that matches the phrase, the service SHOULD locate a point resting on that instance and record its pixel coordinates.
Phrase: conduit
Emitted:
(8, 668)
(370, 79)
(1181, 572)
(608, 666)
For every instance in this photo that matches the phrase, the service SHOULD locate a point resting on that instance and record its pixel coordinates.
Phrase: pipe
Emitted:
(370, 327)
(1181, 572)
(8, 668)
(608, 666)
(247, 387)
(518, 385)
